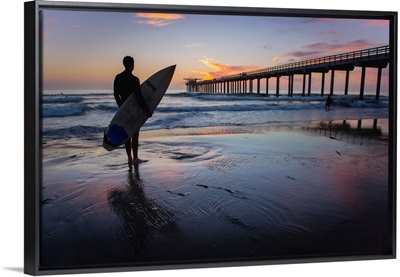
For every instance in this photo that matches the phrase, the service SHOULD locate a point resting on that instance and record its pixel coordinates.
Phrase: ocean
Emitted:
(85, 114)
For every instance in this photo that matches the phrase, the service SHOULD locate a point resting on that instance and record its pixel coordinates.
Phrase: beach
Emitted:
(217, 193)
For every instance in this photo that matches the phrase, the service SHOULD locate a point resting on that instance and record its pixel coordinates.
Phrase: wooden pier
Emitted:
(377, 57)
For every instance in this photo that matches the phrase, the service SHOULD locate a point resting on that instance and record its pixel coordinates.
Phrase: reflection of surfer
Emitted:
(125, 84)
(328, 103)
(141, 215)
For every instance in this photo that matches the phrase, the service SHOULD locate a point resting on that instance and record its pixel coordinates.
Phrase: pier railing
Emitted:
(350, 56)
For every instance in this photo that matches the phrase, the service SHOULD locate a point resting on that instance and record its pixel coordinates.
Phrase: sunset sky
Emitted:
(84, 50)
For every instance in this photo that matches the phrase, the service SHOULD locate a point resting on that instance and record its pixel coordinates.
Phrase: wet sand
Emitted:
(215, 194)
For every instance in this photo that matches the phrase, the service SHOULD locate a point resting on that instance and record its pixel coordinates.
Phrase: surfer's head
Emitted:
(128, 62)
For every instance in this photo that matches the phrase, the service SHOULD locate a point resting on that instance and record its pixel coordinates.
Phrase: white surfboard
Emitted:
(130, 116)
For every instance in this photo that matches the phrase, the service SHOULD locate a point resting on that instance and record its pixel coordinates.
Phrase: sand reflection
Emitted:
(143, 217)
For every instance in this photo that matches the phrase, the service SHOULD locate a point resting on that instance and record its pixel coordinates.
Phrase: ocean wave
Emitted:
(105, 107)
(63, 111)
(191, 110)
(361, 104)
(57, 106)
(201, 96)
(66, 110)
(61, 99)
(274, 106)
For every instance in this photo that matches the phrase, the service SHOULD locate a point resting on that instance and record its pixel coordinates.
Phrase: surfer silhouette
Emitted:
(125, 83)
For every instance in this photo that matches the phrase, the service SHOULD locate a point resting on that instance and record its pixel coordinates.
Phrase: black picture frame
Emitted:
(33, 145)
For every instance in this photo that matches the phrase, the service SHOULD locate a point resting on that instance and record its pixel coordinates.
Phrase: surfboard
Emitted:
(130, 116)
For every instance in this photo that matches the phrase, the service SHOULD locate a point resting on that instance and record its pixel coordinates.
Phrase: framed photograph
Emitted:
(171, 136)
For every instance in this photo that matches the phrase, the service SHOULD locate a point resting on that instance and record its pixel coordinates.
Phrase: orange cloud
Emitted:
(223, 69)
(158, 19)
(207, 76)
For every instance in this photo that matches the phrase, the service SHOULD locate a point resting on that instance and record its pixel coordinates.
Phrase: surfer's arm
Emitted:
(117, 99)
(138, 93)
(142, 102)
(117, 95)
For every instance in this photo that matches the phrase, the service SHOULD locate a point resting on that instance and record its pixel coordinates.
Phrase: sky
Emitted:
(84, 50)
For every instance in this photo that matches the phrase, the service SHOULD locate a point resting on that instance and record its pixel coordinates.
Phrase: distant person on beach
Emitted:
(125, 84)
(328, 103)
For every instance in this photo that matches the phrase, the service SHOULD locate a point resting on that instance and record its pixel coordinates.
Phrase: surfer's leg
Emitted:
(135, 147)
(128, 148)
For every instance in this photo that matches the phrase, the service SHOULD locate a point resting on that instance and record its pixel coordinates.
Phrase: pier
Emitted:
(250, 82)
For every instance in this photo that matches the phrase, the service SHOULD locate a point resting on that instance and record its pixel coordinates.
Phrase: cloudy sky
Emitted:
(84, 50)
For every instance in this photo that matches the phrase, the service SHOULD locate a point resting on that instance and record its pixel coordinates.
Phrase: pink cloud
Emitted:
(377, 23)
(49, 20)
(48, 27)
(301, 55)
(51, 25)
(322, 49)
(337, 47)
(333, 32)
